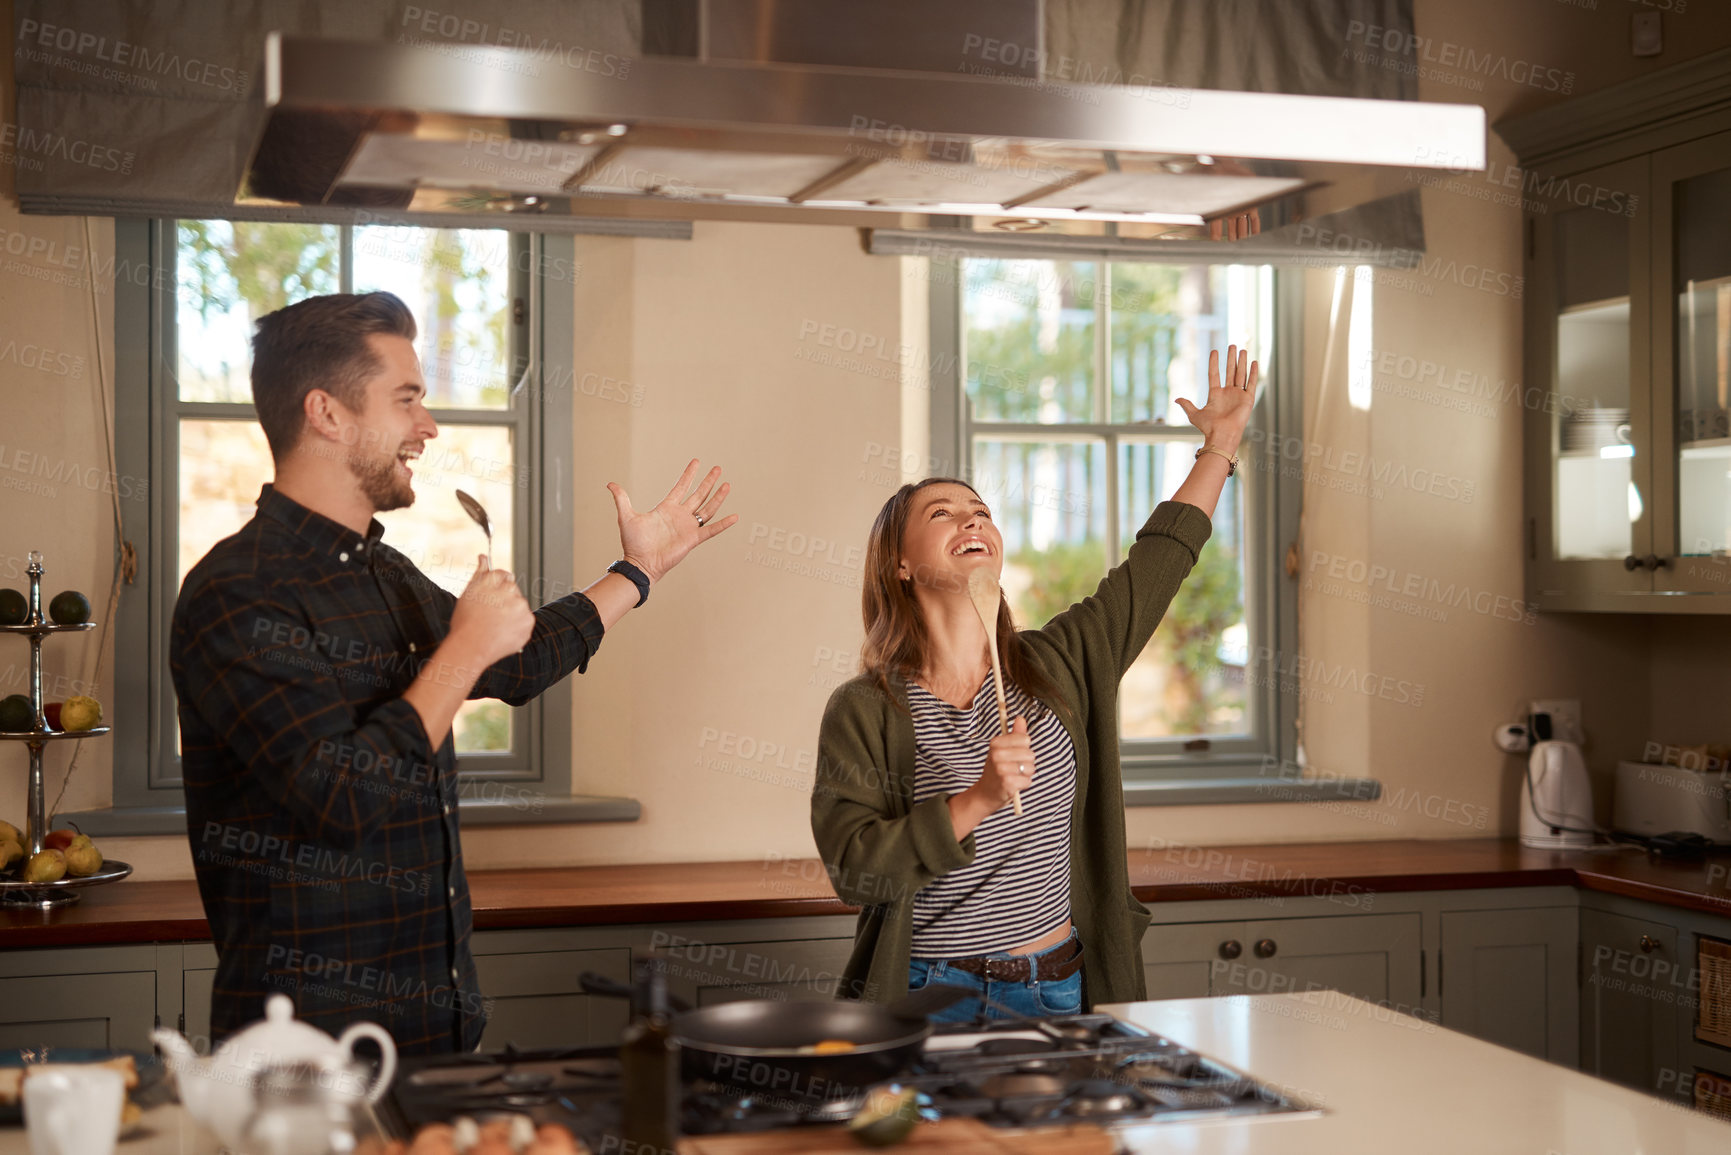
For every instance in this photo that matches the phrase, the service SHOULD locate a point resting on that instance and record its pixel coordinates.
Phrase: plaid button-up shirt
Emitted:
(323, 822)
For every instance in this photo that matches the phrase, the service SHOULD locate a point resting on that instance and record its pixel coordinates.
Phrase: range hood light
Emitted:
(1204, 159)
(617, 130)
(1020, 225)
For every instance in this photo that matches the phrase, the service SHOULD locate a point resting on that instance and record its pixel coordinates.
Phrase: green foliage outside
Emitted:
(1188, 638)
(270, 265)
(483, 726)
(1064, 574)
(1207, 603)
(454, 338)
(266, 265)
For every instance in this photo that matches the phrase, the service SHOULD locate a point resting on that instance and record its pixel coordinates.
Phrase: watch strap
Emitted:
(636, 576)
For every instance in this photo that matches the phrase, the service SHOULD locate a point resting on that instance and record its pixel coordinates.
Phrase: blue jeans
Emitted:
(1033, 999)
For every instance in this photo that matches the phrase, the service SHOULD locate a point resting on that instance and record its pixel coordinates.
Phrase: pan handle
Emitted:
(607, 988)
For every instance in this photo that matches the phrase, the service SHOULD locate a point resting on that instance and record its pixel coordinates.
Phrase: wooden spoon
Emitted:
(983, 591)
(479, 515)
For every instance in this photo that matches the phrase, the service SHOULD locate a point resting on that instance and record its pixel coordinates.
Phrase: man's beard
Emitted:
(384, 487)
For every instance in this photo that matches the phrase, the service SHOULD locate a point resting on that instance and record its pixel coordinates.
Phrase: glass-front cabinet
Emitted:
(1628, 371)
(1691, 304)
(1594, 422)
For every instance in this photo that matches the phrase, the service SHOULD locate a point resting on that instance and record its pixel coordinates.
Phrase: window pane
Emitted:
(1163, 318)
(457, 283)
(224, 462)
(1030, 339)
(227, 275)
(1189, 679)
(1049, 501)
(222, 466)
(435, 533)
(483, 726)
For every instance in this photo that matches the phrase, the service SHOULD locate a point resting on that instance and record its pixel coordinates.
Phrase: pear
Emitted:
(11, 850)
(46, 866)
(7, 830)
(80, 713)
(82, 857)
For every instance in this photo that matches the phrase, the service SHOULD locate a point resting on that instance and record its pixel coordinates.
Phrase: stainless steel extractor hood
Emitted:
(436, 129)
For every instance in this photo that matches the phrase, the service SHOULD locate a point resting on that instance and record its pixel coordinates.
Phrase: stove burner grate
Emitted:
(1004, 1074)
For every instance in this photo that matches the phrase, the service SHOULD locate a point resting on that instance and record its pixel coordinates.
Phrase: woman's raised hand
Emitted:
(1223, 418)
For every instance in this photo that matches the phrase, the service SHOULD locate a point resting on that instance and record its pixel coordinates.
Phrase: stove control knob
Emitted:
(1230, 949)
(1265, 948)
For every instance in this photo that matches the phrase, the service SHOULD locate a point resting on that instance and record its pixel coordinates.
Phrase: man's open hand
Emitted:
(658, 539)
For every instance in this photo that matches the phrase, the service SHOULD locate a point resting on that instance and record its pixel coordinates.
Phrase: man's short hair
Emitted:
(319, 343)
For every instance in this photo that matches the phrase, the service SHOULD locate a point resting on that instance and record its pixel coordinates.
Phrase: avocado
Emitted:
(17, 714)
(69, 608)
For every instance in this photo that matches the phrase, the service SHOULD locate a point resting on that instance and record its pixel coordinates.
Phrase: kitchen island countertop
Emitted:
(775, 887)
(1383, 1081)
(1389, 1082)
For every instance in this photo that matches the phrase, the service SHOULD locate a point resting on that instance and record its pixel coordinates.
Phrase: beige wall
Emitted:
(704, 706)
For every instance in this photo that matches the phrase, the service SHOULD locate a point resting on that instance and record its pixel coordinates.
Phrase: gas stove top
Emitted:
(1072, 1068)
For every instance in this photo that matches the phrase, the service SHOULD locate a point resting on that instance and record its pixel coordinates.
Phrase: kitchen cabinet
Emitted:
(98, 997)
(1627, 388)
(717, 962)
(1642, 994)
(1372, 956)
(531, 977)
(1633, 986)
(197, 981)
(1509, 976)
(534, 996)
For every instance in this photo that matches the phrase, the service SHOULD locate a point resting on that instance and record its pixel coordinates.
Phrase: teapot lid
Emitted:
(280, 1037)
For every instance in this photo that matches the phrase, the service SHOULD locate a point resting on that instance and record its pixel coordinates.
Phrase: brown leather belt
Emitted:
(1054, 966)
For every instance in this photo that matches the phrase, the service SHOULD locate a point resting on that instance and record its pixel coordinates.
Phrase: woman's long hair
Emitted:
(895, 629)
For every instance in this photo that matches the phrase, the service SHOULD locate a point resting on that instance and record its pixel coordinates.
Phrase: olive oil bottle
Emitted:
(649, 1058)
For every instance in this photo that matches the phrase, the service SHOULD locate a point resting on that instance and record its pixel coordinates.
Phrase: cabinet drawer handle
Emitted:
(1230, 948)
(1265, 948)
(1631, 563)
(1649, 944)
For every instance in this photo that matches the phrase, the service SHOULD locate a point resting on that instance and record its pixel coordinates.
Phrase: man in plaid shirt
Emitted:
(318, 672)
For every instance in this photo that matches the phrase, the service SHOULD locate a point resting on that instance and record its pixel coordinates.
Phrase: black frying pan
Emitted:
(765, 1045)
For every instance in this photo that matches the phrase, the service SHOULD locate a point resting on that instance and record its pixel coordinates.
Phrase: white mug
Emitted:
(74, 1112)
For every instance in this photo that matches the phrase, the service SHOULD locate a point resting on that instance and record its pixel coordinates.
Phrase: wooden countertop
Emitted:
(139, 912)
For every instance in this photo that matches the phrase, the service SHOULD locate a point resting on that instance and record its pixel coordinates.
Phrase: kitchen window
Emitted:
(187, 294)
(1066, 376)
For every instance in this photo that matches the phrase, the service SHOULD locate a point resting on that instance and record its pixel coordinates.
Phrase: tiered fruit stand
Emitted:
(14, 891)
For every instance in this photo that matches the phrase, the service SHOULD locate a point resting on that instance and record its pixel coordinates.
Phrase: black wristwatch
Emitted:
(637, 576)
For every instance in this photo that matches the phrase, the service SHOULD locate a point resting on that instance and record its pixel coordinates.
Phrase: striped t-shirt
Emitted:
(1018, 886)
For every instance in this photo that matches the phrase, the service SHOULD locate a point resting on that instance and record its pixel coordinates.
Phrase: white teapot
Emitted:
(218, 1091)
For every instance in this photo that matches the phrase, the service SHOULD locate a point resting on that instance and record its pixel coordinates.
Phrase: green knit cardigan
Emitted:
(880, 847)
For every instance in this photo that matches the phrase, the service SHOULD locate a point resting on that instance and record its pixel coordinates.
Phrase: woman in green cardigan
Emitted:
(913, 805)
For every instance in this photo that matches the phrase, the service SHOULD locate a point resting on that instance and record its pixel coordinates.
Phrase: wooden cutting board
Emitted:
(950, 1136)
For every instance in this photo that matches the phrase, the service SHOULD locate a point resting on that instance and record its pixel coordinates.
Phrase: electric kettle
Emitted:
(1556, 798)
